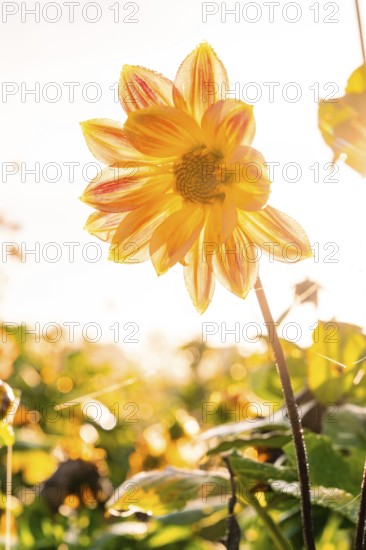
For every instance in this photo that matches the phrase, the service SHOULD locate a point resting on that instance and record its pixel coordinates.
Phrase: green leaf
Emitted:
(264, 379)
(328, 467)
(335, 344)
(273, 440)
(347, 427)
(249, 469)
(159, 492)
(196, 511)
(168, 535)
(277, 421)
(332, 498)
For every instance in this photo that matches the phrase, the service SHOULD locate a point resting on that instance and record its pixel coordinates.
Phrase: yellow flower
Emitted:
(7, 404)
(342, 122)
(183, 183)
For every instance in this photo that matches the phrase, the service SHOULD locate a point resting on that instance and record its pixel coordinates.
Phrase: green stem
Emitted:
(9, 457)
(294, 417)
(233, 532)
(274, 531)
(360, 542)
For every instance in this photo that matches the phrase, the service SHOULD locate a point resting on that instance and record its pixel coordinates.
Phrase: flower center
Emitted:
(197, 176)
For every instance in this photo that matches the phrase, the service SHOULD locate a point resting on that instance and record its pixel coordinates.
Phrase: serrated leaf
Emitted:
(347, 427)
(264, 379)
(335, 344)
(230, 431)
(249, 469)
(328, 467)
(328, 497)
(195, 511)
(159, 492)
(273, 440)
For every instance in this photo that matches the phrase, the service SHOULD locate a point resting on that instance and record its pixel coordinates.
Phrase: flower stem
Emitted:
(360, 542)
(294, 417)
(233, 531)
(9, 458)
(360, 30)
(280, 542)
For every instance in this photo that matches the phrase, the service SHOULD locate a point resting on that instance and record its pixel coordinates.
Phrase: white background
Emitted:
(305, 52)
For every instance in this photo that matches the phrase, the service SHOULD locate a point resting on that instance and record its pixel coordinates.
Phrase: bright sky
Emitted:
(39, 130)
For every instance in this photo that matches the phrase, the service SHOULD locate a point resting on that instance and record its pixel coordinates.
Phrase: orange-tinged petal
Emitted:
(175, 236)
(132, 237)
(232, 267)
(353, 136)
(330, 115)
(162, 132)
(108, 142)
(221, 220)
(140, 88)
(228, 124)
(198, 275)
(357, 81)
(220, 223)
(118, 189)
(276, 233)
(201, 80)
(104, 224)
(343, 127)
(250, 183)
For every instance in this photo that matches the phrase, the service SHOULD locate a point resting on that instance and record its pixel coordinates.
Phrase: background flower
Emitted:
(342, 122)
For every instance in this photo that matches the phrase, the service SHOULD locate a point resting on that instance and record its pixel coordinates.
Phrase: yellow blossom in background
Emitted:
(7, 409)
(342, 122)
(183, 183)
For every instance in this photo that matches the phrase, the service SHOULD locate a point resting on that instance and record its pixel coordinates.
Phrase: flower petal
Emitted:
(175, 236)
(132, 237)
(221, 220)
(250, 181)
(108, 142)
(201, 80)
(140, 88)
(330, 115)
(234, 264)
(117, 189)
(277, 234)
(104, 224)
(198, 275)
(162, 132)
(343, 127)
(227, 125)
(357, 81)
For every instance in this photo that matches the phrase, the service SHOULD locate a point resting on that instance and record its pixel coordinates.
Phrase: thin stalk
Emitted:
(294, 417)
(9, 459)
(360, 31)
(233, 532)
(360, 542)
(233, 540)
(278, 538)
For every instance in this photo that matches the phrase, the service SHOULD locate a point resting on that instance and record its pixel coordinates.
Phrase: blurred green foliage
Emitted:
(91, 422)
